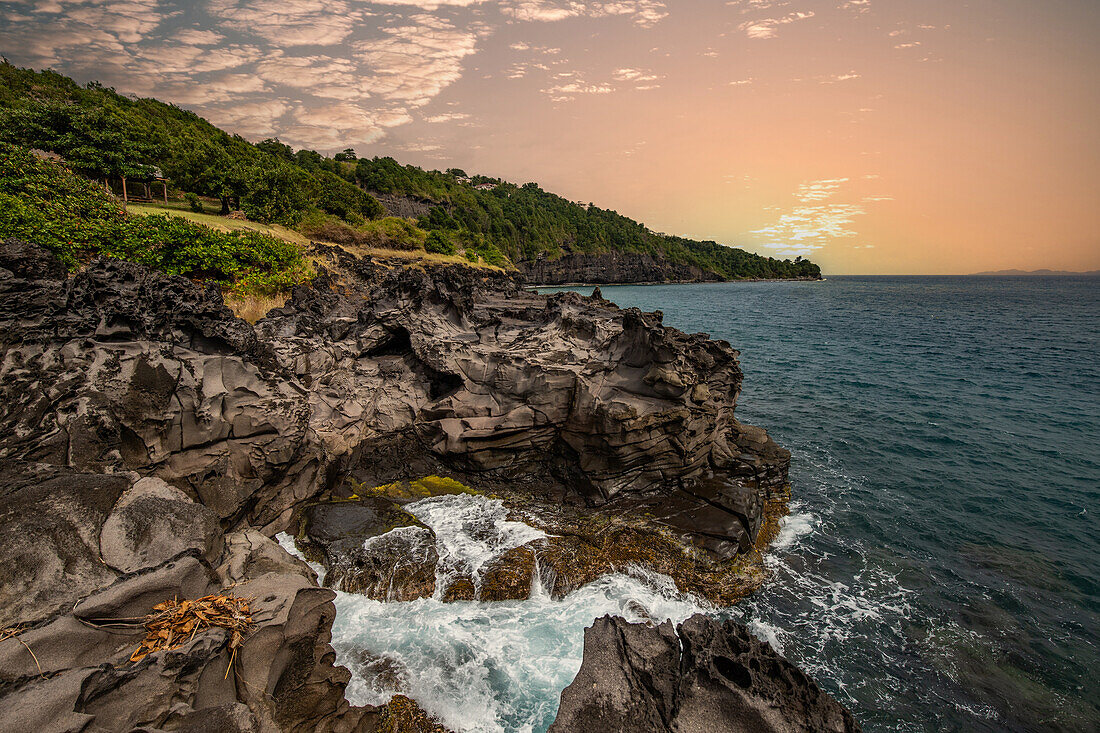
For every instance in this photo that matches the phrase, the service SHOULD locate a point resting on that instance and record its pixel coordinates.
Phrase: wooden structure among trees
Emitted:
(154, 176)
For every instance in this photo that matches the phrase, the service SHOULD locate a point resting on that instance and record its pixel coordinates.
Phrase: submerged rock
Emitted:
(702, 677)
(370, 545)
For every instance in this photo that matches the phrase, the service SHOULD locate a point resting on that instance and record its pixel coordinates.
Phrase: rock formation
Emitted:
(151, 443)
(611, 267)
(702, 677)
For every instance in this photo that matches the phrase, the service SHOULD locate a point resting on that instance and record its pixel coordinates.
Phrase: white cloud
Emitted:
(290, 22)
(318, 75)
(414, 62)
(645, 13)
(447, 117)
(768, 27)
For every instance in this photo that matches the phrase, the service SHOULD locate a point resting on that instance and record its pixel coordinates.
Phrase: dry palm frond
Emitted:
(174, 622)
(13, 633)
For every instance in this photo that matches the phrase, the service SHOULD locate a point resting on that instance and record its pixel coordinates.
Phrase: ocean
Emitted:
(940, 569)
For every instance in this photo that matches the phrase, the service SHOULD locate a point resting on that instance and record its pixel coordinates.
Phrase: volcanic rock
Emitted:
(611, 267)
(702, 677)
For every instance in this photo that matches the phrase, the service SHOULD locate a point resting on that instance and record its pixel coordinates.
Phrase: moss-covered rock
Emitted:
(404, 492)
(402, 714)
(460, 590)
(508, 577)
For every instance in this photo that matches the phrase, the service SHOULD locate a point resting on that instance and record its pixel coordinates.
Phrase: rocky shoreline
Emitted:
(620, 268)
(152, 444)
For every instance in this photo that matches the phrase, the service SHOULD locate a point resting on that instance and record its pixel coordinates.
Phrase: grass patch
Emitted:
(252, 308)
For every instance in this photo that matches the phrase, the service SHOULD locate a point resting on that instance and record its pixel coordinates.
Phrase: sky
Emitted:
(872, 136)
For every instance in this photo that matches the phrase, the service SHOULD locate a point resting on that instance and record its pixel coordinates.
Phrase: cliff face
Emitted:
(611, 267)
(151, 443)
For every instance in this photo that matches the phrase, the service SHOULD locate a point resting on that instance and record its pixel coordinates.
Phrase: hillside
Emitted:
(106, 136)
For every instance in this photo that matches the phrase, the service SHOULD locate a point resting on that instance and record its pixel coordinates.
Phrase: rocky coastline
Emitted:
(620, 268)
(152, 444)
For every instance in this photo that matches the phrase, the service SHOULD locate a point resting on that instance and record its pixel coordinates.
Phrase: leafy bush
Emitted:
(273, 195)
(439, 243)
(44, 203)
(194, 203)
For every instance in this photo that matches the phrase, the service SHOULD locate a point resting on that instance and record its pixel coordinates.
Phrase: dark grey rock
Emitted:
(609, 268)
(705, 676)
(370, 545)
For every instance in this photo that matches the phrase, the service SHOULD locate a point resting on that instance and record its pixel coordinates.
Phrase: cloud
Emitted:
(819, 190)
(250, 119)
(447, 117)
(767, 28)
(173, 58)
(340, 125)
(640, 75)
(644, 13)
(290, 22)
(817, 219)
(748, 6)
(196, 37)
(567, 91)
(414, 62)
(858, 6)
(813, 223)
(318, 75)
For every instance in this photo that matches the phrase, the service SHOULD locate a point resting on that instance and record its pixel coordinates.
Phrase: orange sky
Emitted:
(874, 136)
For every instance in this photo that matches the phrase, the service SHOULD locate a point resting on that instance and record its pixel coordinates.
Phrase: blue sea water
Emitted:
(940, 569)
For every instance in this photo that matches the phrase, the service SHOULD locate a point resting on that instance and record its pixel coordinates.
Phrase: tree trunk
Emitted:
(125, 198)
(165, 184)
(225, 205)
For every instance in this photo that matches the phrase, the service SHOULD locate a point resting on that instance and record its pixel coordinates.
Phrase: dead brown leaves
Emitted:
(174, 622)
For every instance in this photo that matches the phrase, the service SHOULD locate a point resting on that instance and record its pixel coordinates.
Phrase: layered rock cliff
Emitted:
(151, 443)
(611, 267)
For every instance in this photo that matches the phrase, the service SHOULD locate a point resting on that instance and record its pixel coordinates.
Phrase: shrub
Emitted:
(274, 195)
(44, 203)
(194, 203)
(389, 233)
(439, 243)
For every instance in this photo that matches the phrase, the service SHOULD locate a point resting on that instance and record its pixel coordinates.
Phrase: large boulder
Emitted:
(701, 677)
(370, 545)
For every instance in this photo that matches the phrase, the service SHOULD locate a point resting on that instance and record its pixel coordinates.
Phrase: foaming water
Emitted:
(484, 667)
(938, 570)
(470, 531)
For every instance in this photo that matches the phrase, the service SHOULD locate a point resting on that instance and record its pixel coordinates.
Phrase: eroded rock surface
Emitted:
(612, 267)
(704, 676)
(151, 443)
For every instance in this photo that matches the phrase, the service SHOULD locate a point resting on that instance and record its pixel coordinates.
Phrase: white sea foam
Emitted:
(485, 667)
(470, 532)
(794, 527)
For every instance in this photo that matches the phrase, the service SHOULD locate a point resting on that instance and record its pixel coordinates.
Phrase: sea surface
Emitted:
(940, 569)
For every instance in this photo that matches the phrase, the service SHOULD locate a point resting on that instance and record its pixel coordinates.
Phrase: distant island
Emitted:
(1036, 272)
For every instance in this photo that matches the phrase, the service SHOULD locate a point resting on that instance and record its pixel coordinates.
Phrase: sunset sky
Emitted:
(874, 136)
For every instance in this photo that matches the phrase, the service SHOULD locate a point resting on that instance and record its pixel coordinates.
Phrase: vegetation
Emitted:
(42, 202)
(525, 222)
(102, 134)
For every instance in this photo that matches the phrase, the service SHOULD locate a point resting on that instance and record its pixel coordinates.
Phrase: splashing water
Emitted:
(484, 667)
